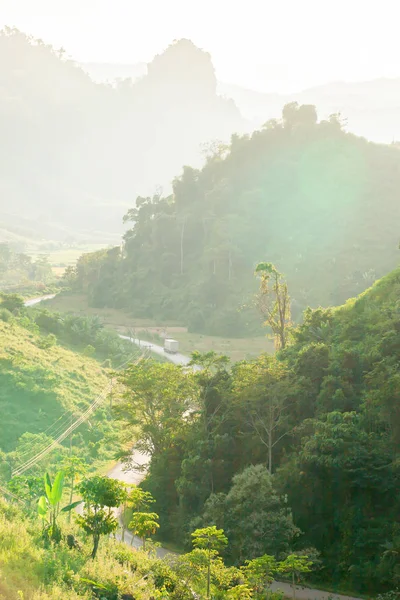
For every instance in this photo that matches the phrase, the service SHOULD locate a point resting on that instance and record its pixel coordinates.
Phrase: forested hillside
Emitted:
(298, 451)
(74, 153)
(320, 203)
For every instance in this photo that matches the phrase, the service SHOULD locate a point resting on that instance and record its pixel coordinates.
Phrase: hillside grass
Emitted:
(37, 385)
(31, 571)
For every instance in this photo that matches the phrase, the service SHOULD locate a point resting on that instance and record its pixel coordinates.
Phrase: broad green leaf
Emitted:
(47, 486)
(94, 583)
(57, 490)
(42, 507)
(71, 506)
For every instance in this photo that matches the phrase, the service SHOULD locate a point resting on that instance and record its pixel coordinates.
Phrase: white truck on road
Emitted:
(171, 346)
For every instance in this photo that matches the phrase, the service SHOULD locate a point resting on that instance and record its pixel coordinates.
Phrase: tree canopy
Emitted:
(319, 203)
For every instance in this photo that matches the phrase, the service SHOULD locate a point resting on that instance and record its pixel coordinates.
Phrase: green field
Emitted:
(235, 348)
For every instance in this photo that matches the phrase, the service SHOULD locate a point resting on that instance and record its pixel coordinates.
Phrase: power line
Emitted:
(41, 454)
(61, 426)
(29, 464)
(8, 493)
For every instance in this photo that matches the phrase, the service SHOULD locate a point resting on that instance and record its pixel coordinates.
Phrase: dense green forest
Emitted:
(320, 203)
(296, 451)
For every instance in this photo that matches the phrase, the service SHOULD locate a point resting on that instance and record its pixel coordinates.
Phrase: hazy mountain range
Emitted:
(75, 152)
(371, 108)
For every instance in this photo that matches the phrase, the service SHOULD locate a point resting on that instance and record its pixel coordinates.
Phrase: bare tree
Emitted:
(273, 302)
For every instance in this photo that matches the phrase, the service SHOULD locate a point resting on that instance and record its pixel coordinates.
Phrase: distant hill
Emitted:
(74, 154)
(371, 108)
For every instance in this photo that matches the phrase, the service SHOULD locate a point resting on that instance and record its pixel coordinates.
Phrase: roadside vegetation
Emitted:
(293, 451)
(46, 555)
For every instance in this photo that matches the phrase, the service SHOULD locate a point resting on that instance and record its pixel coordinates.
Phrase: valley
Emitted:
(199, 306)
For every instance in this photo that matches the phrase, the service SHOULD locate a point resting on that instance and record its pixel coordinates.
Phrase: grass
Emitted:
(236, 348)
(38, 385)
(33, 571)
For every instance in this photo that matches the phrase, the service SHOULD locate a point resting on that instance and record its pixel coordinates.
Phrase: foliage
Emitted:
(86, 333)
(256, 520)
(41, 392)
(281, 193)
(273, 301)
(144, 524)
(99, 493)
(260, 572)
(207, 543)
(327, 406)
(155, 393)
(49, 505)
(295, 566)
(19, 272)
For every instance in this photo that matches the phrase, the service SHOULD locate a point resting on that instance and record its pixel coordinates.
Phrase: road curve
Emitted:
(118, 471)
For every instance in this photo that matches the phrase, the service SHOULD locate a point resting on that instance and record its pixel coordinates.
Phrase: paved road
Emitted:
(177, 359)
(34, 301)
(303, 593)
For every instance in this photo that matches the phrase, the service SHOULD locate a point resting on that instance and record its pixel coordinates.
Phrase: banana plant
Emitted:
(49, 505)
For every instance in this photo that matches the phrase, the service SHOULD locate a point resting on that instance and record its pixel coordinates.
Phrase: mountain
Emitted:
(75, 153)
(319, 203)
(371, 108)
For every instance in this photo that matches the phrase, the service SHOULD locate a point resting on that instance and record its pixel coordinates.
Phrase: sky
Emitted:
(279, 45)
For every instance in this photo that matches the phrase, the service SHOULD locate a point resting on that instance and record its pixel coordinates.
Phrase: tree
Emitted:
(262, 389)
(296, 566)
(99, 493)
(49, 505)
(211, 540)
(136, 500)
(27, 488)
(260, 573)
(156, 398)
(274, 302)
(12, 302)
(239, 592)
(144, 524)
(73, 467)
(257, 521)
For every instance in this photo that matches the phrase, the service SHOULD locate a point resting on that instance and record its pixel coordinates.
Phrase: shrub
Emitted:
(5, 315)
(47, 342)
(89, 350)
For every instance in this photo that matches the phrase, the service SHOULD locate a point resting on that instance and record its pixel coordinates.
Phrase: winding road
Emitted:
(134, 477)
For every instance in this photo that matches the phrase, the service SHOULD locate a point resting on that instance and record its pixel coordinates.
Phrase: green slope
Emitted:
(37, 386)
